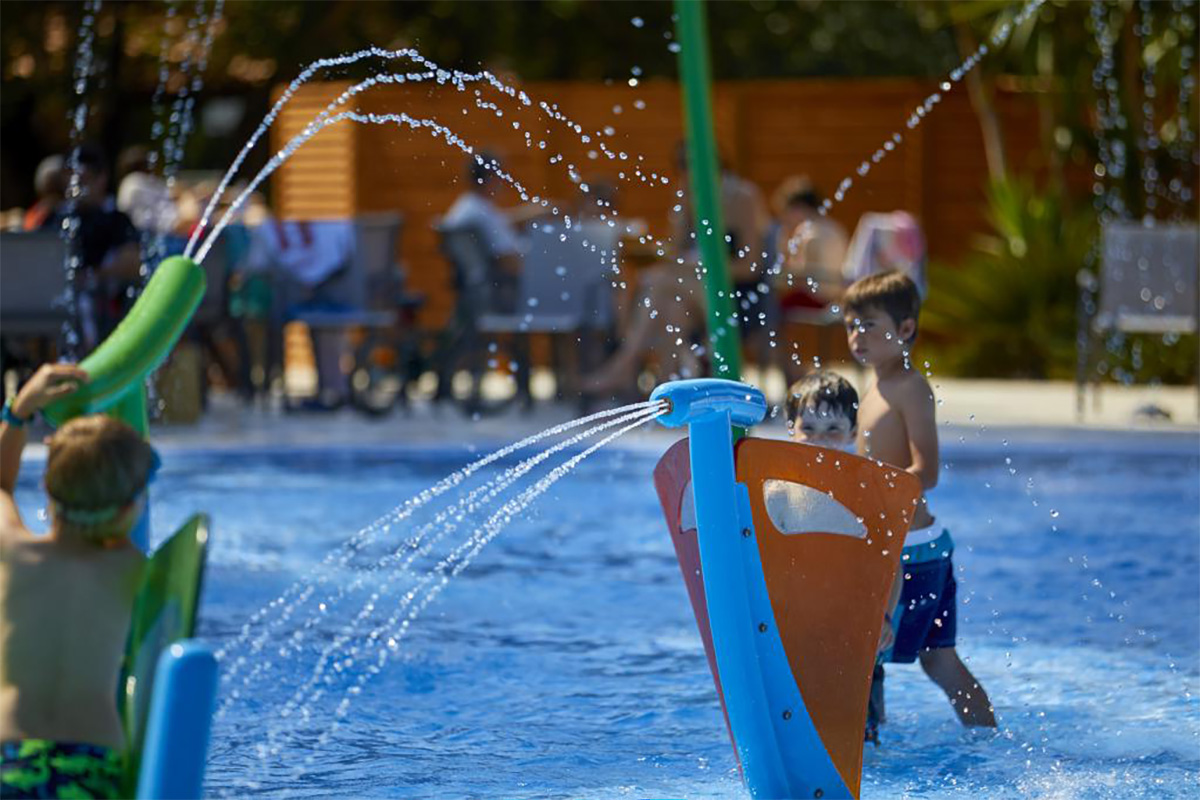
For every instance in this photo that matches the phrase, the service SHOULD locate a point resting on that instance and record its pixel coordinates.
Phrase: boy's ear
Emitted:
(907, 329)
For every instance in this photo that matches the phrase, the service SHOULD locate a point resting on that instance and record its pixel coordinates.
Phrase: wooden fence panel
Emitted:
(766, 130)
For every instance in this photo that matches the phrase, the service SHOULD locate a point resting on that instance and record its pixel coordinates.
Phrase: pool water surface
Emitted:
(565, 662)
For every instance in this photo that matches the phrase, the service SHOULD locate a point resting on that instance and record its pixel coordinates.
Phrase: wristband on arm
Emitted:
(10, 417)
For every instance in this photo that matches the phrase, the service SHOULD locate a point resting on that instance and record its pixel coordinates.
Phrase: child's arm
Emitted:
(50, 382)
(920, 418)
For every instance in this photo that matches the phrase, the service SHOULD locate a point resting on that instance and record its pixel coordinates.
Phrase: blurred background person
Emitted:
(813, 248)
(107, 245)
(50, 183)
(143, 196)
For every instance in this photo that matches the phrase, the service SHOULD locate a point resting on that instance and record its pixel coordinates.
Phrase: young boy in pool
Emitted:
(66, 598)
(897, 425)
(822, 409)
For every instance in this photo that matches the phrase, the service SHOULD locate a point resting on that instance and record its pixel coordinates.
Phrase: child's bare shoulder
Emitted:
(912, 393)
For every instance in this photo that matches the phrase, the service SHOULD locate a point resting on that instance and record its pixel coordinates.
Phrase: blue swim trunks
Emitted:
(925, 618)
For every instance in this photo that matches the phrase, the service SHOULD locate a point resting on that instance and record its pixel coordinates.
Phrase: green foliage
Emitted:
(1009, 310)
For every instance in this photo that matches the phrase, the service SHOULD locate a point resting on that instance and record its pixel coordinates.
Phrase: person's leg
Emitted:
(970, 701)
(621, 368)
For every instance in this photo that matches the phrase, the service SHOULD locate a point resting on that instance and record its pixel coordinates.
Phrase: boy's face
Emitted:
(823, 426)
(874, 338)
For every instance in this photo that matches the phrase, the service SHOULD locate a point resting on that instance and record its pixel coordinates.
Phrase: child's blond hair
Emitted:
(96, 468)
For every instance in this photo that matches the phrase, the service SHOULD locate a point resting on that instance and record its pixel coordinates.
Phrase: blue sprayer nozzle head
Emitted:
(691, 399)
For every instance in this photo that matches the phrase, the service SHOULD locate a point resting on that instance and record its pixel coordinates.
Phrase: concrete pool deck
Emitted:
(984, 411)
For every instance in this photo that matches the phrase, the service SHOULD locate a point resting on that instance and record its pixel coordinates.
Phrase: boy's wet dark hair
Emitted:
(822, 387)
(891, 292)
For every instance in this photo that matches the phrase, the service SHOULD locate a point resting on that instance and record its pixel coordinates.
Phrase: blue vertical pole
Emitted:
(176, 749)
(723, 538)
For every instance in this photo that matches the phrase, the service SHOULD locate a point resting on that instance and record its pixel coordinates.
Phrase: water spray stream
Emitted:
(411, 607)
(416, 546)
(918, 114)
(84, 60)
(342, 555)
(298, 700)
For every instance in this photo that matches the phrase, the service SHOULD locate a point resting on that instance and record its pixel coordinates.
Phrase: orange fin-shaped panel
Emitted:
(828, 590)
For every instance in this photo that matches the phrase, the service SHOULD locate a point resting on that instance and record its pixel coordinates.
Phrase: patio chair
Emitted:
(1147, 284)
(33, 284)
(564, 292)
(482, 292)
(31, 272)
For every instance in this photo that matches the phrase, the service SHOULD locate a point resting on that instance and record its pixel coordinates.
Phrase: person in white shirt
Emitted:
(144, 196)
(475, 208)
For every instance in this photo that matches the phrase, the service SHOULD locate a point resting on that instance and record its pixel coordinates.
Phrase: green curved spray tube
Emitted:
(118, 367)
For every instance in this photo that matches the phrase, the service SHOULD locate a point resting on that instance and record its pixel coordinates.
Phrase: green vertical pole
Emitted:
(691, 31)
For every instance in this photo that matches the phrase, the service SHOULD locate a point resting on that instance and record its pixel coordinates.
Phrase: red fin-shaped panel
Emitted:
(671, 477)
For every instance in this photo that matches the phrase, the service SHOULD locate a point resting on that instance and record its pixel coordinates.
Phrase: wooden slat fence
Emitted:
(767, 131)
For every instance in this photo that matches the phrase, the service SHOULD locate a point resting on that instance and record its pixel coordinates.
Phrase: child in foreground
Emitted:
(66, 598)
(897, 425)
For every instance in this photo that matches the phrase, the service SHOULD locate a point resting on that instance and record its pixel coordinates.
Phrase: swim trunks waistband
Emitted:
(941, 547)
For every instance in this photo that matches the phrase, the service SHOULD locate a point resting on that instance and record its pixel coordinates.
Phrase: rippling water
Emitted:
(565, 662)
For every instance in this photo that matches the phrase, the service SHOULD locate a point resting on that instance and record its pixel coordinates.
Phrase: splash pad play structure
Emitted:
(758, 622)
(788, 618)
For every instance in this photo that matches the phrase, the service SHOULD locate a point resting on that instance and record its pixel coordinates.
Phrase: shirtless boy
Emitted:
(897, 425)
(66, 598)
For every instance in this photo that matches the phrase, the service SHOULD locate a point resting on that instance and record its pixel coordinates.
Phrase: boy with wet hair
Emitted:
(822, 409)
(66, 598)
(897, 425)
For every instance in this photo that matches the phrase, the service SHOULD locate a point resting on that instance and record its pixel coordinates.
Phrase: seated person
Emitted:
(66, 598)
(813, 250)
(108, 247)
(50, 183)
(669, 304)
(476, 209)
(884, 242)
(143, 195)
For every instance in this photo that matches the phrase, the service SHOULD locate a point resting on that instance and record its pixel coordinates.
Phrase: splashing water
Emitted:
(286, 603)
(393, 630)
(1109, 117)
(401, 558)
(459, 80)
(1148, 142)
(1183, 148)
(918, 114)
(172, 137)
(84, 61)
(998, 39)
(609, 259)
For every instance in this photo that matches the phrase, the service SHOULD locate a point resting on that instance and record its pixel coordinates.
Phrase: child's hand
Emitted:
(49, 383)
